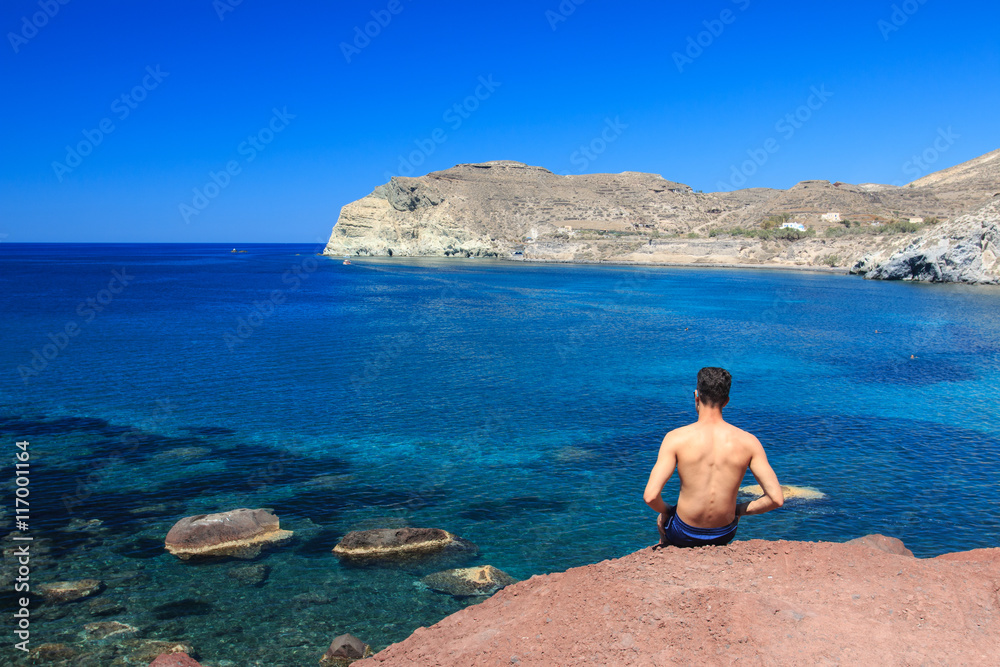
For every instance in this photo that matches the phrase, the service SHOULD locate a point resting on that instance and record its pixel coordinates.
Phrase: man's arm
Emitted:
(666, 461)
(773, 497)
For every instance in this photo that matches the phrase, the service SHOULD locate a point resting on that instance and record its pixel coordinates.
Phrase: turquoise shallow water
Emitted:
(519, 406)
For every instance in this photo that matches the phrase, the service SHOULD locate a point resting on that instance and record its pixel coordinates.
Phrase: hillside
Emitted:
(510, 210)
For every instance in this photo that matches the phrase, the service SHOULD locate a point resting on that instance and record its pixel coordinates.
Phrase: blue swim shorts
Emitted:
(679, 534)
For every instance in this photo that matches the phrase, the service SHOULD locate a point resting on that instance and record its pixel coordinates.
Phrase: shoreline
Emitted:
(601, 262)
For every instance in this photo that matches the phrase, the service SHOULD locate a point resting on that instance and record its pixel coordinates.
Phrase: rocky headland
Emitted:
(964, 250)
(868, 601)
(511, 210)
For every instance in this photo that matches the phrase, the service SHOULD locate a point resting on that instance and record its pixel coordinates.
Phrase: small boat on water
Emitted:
(346, 262)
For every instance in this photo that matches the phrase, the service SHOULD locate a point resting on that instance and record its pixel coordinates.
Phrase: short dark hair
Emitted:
(713, 385)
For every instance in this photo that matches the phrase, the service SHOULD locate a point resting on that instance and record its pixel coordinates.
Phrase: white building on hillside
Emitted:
(832, 216)
(794, 225)
(917, 221)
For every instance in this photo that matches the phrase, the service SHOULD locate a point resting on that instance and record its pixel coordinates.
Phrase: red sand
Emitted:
(749, 603)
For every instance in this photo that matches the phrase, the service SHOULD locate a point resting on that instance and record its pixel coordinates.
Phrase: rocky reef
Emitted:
(755, 602)
(510, 210)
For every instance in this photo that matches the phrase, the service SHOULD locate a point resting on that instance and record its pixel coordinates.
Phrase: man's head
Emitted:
(713, 386)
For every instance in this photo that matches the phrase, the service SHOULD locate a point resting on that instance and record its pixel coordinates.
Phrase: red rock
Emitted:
(976, 555)
(174, 660)
(890, 545)
(752, 602)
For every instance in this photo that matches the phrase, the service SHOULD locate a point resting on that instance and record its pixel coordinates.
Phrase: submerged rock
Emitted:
(70, 591)
(103, 607)
(398, 542)
(182, 454)
(175, 660)
(105, 629)
(84, 525)
(52, 653)
(143, 651)
(240, 533)
(485, 580)
(344, 650)
(250, 575)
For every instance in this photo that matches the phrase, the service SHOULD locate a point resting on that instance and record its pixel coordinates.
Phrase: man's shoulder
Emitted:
(744, 436)
(676, 438)
(681, 432)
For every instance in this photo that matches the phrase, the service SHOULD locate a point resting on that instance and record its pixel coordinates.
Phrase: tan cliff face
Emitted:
(510, 210)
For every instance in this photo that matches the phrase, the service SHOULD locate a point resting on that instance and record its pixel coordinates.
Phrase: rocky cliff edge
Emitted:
(866, 602)
(965, 250)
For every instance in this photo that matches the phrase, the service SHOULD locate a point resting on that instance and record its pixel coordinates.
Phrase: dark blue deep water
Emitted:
(517, 405)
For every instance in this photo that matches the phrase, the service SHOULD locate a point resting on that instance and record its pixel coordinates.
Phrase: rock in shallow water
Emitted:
(800, 492)
(344, 650)
(105, 629)
(399, 542)
(142, 651)
(239, 533)
(69, 591)
(250, 575)
(103, 607)
(174, 660)
(485, 580)
(52, 653)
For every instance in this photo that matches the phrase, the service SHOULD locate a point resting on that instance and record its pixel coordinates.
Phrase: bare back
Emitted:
(711, 462)
(711, 456)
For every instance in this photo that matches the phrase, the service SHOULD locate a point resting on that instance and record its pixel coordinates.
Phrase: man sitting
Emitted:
(711, 457)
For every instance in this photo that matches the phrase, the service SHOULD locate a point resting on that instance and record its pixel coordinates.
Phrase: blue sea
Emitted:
(517, 405)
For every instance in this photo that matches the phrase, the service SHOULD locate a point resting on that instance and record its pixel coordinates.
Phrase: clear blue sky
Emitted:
(558, 79)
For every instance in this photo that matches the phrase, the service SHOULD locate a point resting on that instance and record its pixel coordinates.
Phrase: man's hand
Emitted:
(661, 523)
